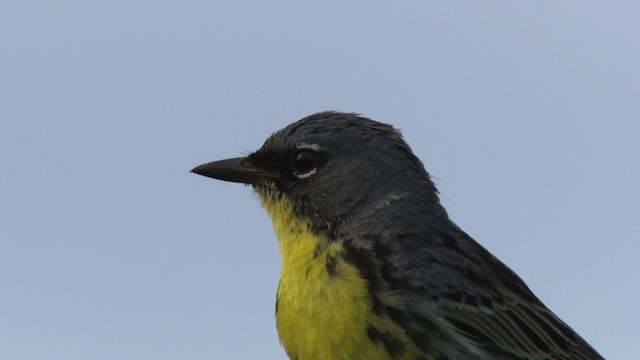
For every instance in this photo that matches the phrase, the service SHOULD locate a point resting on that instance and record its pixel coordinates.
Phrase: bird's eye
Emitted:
(305, 162)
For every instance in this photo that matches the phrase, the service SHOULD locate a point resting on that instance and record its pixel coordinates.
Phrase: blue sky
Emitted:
(527, 114)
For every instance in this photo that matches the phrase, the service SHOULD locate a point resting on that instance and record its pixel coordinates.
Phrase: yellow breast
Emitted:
(323, 304)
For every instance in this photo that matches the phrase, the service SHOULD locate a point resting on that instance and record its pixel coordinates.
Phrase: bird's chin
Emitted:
(265, 188)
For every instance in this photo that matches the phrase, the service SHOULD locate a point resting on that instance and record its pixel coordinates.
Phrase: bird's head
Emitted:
(334, 168)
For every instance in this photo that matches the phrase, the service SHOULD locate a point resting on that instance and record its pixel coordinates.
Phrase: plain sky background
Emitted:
(527, 114)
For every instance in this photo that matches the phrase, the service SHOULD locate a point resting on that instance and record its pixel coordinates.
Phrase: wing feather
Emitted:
(455, 281)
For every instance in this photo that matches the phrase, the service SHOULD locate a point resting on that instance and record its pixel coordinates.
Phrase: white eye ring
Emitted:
(307, 174)
(305, 161)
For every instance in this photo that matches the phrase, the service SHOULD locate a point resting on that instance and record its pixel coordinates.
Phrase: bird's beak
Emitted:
(235, 170)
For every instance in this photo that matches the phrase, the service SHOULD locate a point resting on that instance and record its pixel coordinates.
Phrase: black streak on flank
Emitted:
(364, 261)
(277, 298)
(331, 263)
(394, 347)
(368, 268)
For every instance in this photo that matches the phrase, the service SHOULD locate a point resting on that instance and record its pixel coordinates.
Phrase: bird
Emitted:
(372, 265)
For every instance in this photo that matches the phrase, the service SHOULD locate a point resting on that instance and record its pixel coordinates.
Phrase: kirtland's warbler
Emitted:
(372, 266)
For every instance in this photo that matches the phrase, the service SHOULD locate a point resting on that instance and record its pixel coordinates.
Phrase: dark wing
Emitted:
(461, 291)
